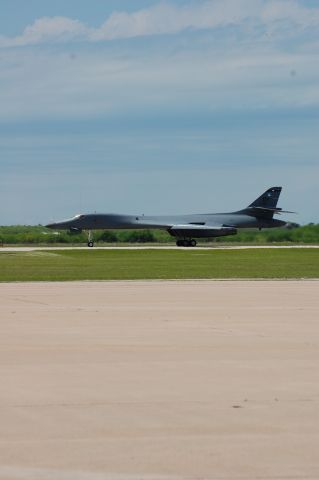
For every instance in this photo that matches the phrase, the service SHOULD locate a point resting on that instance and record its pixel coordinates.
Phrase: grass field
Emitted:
(158, 264)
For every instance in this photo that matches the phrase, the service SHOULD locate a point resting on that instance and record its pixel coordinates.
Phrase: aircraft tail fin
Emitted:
(268, 199)
(265, 206)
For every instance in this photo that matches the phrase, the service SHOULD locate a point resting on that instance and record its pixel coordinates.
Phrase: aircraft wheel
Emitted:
(90, 244)
(193, 243)
(179, 243)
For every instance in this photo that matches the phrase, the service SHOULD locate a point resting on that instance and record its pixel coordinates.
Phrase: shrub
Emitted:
(107, 236)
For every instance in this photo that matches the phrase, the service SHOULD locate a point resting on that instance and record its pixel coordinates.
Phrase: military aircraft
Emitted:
(185, 228)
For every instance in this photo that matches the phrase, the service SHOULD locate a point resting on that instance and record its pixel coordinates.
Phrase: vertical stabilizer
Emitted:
(265, 206)
(268, 199)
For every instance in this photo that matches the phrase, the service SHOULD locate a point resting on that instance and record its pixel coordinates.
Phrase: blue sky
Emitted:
(157, 107)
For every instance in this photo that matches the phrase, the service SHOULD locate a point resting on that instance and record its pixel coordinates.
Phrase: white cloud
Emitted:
(167, 18)
(48, 29)
(54, 85)
(290, 11)
(197, 73)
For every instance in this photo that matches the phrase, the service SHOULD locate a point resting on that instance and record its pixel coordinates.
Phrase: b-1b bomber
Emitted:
(185, 228)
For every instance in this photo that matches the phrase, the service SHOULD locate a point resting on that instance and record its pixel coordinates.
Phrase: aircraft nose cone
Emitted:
(50, 225)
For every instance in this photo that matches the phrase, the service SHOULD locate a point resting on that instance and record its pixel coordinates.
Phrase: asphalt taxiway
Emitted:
(159, 380)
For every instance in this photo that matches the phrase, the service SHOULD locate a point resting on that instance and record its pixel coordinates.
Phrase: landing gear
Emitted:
(90, 239)
(186, 242)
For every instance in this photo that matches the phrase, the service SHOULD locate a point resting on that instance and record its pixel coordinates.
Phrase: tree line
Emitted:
(30, 235)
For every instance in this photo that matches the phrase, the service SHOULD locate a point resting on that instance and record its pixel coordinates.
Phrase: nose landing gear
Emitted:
(186, 242)
(90, 239)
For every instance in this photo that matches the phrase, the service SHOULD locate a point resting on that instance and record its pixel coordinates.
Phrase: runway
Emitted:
(159, 380)
(152, 247)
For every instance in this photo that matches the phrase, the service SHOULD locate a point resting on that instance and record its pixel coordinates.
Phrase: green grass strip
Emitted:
(158, 264)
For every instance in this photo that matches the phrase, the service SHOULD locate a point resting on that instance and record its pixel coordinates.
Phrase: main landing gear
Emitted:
(90, 239)
(186, 242)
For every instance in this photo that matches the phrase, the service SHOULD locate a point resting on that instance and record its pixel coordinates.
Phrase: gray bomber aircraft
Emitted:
(185, 228)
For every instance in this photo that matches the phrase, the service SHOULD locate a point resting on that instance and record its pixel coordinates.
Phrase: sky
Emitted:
(154, 107)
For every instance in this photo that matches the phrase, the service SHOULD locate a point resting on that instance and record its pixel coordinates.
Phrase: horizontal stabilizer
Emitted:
(276, 211)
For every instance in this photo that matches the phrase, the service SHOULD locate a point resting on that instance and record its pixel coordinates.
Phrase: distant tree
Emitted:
(107, 236)
(139, 236)
(24, 234)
